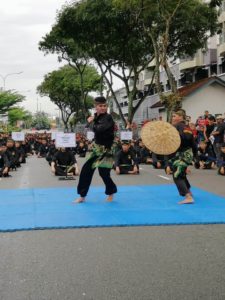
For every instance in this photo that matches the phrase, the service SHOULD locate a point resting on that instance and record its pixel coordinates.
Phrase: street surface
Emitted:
(132, 263)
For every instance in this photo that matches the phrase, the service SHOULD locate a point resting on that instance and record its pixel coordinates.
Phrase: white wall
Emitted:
(211, 98)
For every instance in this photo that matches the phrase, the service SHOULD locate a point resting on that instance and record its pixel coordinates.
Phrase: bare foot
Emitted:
(187, 200)
(109, 198)
(79, 200)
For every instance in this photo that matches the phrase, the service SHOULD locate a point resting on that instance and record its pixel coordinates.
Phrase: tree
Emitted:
(8, 99)
(63, 89)
(41, 121)
(68, 50)
(110, 37)
(175, 28)
(18, 114)
(124, 36)
(215, 3)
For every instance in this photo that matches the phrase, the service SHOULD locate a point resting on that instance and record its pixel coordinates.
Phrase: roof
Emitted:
(191, 88)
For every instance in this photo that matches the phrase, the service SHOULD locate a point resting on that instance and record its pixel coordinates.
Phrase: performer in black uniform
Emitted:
(4, 162)
(183, 157)
(101, 156)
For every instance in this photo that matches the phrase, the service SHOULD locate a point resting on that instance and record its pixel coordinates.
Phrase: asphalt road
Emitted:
(166, 262)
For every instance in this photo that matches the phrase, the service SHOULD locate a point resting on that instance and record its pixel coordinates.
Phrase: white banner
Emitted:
(18, 136)
(90, 135)
(65, 140)
(126, 135)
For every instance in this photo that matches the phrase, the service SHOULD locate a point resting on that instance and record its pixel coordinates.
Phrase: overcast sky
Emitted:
(22, 25)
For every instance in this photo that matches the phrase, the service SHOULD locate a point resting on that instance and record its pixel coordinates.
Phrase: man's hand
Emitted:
(77, 171)
(117, 170)
(135, 169)
(5, 171)
(168, 170)
(53, 167)
(90, 119)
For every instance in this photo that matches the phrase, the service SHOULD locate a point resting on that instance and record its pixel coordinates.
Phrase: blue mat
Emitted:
(28, 209)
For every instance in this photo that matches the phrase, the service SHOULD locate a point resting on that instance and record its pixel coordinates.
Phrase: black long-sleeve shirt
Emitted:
(12, 155)
(125, 158)
(66, 158)
(43, 150)
(103, 127)
(187, 138)
(4, 162)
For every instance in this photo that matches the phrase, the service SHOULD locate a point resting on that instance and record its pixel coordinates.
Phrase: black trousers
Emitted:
(86, 175)
(182, 184)
(127, 169)
(61, 170)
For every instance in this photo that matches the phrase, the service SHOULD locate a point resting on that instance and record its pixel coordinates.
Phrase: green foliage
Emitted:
(18, 114)
(66, 48)
(41, 121)
(8, 99)
(63, 87)
(124, 36)
(214, 3)
(188, 21)
(105, 33)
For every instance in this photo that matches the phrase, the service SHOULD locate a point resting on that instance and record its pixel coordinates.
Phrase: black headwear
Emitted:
(125, 142)
(2, 144)
(100, 99)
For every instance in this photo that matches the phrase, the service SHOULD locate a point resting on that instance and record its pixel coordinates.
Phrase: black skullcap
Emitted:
(100, 99)
(2, 144)
(125, 142)
(211, 118)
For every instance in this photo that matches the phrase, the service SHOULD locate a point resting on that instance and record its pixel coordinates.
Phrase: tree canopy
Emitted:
(8, 99)
(18, 114)
(41, 121)
(124, 36)
(63, 88)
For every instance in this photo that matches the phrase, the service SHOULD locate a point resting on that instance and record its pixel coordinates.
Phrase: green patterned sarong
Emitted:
(104, 156)
(181, 161)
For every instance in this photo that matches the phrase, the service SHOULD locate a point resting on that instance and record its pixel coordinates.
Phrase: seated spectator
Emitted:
(4, 162)
(159, 161)
(194, 130)
(64, 163)
(21, 154)
(81, 149)
(218, 137)
(135, 148)
(126, 161)
(12, 154)
(26, 145)
(200, 133)
(145, 154)
(51, 152)
(43, 149)
(204, 158)
(221, 170)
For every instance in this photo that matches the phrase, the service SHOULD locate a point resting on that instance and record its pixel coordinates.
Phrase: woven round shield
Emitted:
(160, 137)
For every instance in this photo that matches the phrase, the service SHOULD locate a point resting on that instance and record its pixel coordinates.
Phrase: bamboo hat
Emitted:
(160, 137)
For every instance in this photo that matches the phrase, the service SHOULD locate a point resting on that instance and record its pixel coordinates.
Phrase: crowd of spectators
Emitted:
(208, 132)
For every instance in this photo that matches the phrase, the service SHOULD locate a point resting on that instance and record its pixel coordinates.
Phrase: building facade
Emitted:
(205, 63)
